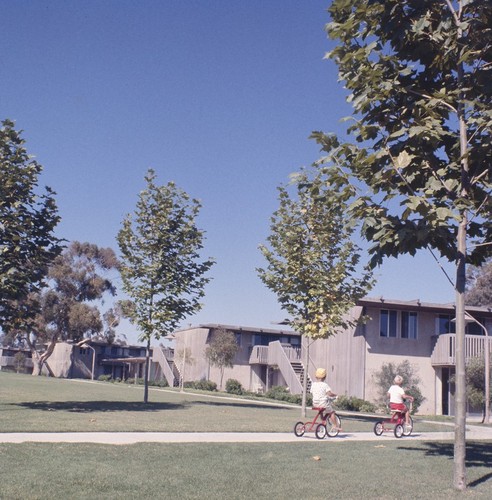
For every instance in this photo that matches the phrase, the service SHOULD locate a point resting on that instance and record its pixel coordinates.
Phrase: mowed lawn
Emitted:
(307, 469)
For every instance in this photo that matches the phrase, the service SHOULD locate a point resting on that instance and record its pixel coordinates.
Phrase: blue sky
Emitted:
(219, 96)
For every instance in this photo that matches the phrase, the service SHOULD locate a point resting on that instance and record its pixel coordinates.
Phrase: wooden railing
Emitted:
(159, 358)
(444, 352)
(277, 355)
(259, 355)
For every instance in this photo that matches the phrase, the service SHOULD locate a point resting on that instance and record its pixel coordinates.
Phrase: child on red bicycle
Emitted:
(322, 393)
(397, 397)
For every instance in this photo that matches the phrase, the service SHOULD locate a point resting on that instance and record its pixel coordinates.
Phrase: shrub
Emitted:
(201, 385)
(281, 393)
(234, 387)
(354, 404)
(104, 378)
(411, 381)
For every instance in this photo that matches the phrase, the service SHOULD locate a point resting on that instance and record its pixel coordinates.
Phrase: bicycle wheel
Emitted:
(378, 428)
(333, 430)
(407, 430)
(299, 429)
(320, 431)
(398, 430)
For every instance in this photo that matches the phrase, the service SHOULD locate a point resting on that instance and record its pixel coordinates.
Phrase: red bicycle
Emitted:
(395, 423)
(321, 424)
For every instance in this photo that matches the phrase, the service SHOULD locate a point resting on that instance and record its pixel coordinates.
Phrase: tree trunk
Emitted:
(146, 374)
(306, 371)
(37, 364)
(459, 479)
(39, 358)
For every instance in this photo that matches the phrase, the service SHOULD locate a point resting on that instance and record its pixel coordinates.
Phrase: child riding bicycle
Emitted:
(397, 397)
(322, 393)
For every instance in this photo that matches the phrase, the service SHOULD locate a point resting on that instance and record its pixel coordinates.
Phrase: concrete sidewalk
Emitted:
(473, 432)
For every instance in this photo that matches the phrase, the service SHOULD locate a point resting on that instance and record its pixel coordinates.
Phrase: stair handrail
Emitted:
(277, 356)
(159, 357)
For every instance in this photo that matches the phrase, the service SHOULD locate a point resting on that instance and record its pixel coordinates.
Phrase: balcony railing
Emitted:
(444, 352)
(259, 354)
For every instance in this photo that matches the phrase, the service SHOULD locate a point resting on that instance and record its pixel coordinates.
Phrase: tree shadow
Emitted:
(478, 454)
(98, 406)
(239, 404)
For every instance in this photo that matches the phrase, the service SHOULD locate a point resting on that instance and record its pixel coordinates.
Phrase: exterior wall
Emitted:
(194, 342)
(60, 361)
(344, 357)
(381, 350)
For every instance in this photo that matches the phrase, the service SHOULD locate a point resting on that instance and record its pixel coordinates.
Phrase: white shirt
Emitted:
(319, 391)
(396, 394)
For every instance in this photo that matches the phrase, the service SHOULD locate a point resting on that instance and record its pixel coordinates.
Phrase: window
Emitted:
(445, 325)
(408, 325)
(237, 336)
(388, 323)
(473, 328)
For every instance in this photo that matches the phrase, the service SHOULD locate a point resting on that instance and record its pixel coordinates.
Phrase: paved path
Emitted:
(473, 433)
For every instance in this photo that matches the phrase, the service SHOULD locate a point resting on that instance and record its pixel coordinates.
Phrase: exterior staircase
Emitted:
(298, 368)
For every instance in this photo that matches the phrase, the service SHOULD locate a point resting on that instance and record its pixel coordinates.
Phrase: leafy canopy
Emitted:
(161, 267)
(313, 264)
(28, 218)
(419, 75)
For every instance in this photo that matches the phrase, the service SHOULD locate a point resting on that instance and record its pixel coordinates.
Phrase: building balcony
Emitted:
(444, 352)
(260, 354)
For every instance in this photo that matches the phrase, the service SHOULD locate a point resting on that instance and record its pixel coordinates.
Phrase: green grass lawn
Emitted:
(303, 470)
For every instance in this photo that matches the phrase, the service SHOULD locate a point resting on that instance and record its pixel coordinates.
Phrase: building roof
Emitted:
(250, 329)
(417, 305)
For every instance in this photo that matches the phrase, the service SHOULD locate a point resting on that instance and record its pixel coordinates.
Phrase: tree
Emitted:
(27, 223)
(419, 77)
(313, 264)
(475, 383)
(183, 358)
(161, 268)
(479, 285)
(222, 350)
(68, 308)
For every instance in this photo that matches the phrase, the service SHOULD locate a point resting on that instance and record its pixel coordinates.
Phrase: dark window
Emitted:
(408, 325)
(473, 328)
(445, 324)
(388, 322)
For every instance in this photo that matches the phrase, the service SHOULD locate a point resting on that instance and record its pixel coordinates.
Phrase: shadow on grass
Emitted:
(478, 454)
(110, 406)
(98, 406)
(240, 404)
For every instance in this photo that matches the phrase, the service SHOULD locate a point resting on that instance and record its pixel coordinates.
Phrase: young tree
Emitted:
(313, 264)
(419, 77)
(183, 358)
(222, 350)
(161, 270)
(27, 223)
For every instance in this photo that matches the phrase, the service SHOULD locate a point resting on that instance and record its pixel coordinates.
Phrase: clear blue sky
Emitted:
(219, 96)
